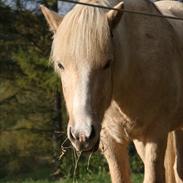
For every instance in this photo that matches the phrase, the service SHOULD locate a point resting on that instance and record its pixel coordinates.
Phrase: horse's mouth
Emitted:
(92, 149)
(95, 147)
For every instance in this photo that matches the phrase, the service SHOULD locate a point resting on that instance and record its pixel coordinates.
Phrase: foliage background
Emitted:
(32, 112)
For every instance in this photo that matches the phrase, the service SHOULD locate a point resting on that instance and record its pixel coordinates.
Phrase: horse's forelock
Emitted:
(83, 35)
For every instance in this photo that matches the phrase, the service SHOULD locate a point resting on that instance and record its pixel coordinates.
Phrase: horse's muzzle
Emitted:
(84, 142)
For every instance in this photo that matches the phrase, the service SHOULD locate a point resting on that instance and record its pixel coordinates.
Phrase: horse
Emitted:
(122, 80)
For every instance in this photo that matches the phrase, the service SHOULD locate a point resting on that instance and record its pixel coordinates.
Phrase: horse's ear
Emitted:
(114, 16)
(53, 19)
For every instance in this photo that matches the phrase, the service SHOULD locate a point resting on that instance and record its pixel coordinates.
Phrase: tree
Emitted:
(28, 85)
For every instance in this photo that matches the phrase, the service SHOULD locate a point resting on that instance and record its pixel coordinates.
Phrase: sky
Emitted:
(63, 7)
(28, 4)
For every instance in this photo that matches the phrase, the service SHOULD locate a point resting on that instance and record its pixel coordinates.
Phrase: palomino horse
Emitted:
(122, 73)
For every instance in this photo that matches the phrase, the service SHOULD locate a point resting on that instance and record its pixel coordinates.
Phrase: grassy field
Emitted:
(83, 175)
(90, 178)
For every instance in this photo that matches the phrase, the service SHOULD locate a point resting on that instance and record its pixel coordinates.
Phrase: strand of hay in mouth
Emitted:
(88, 163)
(63, 149)
(77, 158)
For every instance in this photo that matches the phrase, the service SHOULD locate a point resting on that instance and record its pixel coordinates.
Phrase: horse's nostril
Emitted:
(92, 135)
(72, 136)
(81, 136)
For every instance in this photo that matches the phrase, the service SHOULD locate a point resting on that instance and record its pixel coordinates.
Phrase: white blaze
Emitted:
(81, 107)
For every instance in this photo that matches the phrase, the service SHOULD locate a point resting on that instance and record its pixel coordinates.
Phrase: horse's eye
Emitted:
(60, 66)
(107, 65)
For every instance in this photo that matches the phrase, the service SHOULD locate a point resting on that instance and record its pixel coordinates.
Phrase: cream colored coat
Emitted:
(142, 89)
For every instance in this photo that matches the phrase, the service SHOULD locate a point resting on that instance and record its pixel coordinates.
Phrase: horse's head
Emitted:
(82, 55)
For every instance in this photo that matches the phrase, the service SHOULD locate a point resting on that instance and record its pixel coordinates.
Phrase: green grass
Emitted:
(101, 177)
(42, 175)
(137, 178)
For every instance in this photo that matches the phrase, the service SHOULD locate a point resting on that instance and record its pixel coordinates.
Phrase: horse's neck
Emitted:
(135, 33)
